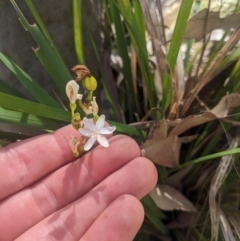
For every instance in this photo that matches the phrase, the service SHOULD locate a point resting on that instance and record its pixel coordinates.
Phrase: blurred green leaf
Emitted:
(123, 52)
(12, 136)
(42, 27)
(208, 157)
(177, 37)
(234, 55)
(176, 41)
(154, 214)
(30, 107)
(9, 90)
(34, 89)
(24, 119)
(46, 54)
(77, 29)
(105, 87)
(137, 35)
(127, 130)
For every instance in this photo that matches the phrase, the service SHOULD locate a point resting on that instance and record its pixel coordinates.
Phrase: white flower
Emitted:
(72, 91)
(96, 132)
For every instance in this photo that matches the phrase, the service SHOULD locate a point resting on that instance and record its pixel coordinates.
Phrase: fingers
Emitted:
(119, 221)
(25, 162)
(64, 186)
(136, 178)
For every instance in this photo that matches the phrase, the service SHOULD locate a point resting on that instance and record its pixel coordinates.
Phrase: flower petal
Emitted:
(102, 140)
(85, 132)
(89, 143)
(88, 124)
(79, 96)
(94, 106)
(72, 90)
(100, 122)
(107, 130)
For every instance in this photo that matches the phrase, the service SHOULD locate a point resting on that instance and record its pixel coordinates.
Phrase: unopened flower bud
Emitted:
(90, 83)
(94, 106)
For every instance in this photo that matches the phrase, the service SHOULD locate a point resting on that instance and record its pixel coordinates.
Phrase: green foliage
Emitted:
(34, 89)
(133, 19)
(47, 54)
(138, 93)
(77, 28)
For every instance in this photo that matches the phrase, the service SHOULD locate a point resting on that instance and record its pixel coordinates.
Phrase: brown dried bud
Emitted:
(81, 71)
(84, 97)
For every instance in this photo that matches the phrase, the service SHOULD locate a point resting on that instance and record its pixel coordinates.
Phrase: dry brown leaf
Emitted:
(225, 105)
(196, 25)
(164, 152)
(168, 198)
(191, 121)
(221, 110)
(158, 131)
(163, 148)
(81, 71)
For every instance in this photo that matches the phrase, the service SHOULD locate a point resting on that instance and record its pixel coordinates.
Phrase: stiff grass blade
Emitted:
(33, 88)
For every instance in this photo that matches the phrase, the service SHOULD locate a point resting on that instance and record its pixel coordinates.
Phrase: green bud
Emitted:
(95, 118)
(90, 83)
(76, 119)
(76, 154)
(73, 107)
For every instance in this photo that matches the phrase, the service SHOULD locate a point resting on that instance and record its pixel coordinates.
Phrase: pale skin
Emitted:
(47, 194)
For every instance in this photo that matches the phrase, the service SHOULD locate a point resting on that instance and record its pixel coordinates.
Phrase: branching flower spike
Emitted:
(91, 129)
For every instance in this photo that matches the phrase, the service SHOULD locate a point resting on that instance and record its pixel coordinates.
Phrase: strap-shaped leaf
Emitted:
(24, 119)
(77, 28)
(50, 60)
(136, 32)
(34, 89)
(30, 107)
(5, 88)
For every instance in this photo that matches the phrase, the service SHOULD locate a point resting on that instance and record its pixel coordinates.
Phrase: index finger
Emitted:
(23, 163)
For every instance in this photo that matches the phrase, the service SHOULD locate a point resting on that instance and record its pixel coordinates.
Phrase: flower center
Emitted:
(95, 134)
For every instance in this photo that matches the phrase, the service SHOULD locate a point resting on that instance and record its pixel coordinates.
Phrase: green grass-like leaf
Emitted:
(42, 27)
(177, 37)
(137, 35)
(105, 87)
(77, 29)
(12, 136)
(154, 214)
(9, 90)
(24, 119)
(30, 107)
(34, 89)
(175, 44)
(50, 60)
(122, 48)
(209, 157)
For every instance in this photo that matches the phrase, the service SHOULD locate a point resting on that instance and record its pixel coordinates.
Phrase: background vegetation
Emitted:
(170, 81)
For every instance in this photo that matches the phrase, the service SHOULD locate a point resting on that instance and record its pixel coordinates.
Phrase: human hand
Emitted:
(47, 194)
